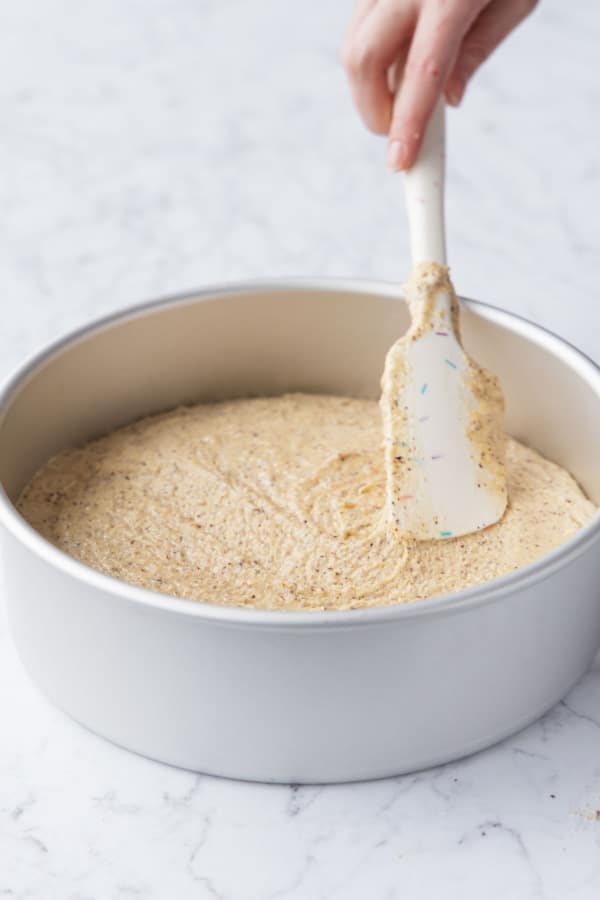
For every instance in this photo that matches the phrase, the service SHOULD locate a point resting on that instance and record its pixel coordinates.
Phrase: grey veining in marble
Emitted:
(150, 147)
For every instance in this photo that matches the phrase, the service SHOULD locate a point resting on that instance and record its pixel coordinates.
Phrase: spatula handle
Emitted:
(424, 185)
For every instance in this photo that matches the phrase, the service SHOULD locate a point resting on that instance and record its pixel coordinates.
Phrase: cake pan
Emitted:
(293, 696)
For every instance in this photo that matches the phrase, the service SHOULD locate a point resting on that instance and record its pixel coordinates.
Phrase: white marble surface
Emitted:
(151, 146)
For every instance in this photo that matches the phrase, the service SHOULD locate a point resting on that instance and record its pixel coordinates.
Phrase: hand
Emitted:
(439, 44)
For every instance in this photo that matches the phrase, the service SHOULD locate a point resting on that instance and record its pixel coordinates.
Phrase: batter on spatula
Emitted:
(443, 421)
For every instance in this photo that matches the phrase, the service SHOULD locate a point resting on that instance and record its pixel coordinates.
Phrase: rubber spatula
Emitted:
(442, 413)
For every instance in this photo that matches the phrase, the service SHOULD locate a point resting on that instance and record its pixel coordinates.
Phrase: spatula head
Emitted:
(443, 422)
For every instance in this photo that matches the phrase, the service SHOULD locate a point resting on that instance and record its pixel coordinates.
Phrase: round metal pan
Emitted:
(293, 696)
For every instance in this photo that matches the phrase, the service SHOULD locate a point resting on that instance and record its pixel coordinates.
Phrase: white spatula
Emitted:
(442, 413)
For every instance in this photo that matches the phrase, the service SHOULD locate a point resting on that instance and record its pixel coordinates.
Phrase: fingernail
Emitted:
(396, 155)
(456, 93)
(455, 96)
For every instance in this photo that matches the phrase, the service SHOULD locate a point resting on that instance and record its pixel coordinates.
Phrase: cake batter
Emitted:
(277, 503)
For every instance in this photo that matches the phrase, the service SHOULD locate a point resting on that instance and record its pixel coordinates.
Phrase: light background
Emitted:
(150, 146)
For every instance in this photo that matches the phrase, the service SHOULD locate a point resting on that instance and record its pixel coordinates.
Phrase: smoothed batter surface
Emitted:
(277, 502)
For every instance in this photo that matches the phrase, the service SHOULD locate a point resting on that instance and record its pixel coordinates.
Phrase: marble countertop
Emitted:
(150, 147)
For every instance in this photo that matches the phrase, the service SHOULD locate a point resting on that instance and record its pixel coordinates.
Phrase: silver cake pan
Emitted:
(293, 696)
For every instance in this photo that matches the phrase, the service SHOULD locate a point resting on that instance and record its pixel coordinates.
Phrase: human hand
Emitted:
(439, 44)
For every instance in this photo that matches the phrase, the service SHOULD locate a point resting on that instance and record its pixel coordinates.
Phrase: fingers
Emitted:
(374, 41)
(360, 12)
(432, 54)
(495, 22)
(443, 43)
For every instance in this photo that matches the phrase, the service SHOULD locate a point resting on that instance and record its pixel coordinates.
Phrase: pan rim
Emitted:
(314, 619)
